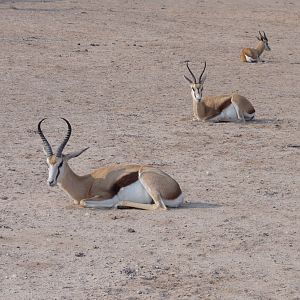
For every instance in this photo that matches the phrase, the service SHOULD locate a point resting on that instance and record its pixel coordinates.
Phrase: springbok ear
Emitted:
(187, 79)
(258, 38)
(75, 154)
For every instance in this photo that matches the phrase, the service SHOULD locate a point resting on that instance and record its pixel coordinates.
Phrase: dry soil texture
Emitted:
(115, 70)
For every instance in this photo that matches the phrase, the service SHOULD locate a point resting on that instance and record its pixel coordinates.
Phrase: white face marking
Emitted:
(197, 91)
(55, 168)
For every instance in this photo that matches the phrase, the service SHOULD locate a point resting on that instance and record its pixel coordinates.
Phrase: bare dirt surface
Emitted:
(115, 70)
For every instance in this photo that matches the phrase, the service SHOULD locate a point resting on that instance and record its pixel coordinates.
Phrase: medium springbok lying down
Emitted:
(225, 108)
(252, 55)
(136, 186)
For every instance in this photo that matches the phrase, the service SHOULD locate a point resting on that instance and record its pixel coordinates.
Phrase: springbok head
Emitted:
(263, 38)
(196, 85)
(57, 161)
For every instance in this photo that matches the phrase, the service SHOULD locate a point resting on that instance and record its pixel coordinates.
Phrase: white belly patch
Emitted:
(227, 115)
(250, 59)
(134, 192)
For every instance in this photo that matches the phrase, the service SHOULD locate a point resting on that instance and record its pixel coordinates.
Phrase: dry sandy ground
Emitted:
(114, 69)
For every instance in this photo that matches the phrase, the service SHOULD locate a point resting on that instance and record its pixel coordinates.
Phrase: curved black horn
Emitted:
(66, 139)
(202, 72)
(187, 65)
(47, 146)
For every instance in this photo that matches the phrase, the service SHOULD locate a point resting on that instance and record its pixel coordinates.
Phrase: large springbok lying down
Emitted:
(136, 186)
(225, 108)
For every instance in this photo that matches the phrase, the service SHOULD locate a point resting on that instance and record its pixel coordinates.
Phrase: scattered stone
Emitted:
(131, 272)
(130, 230)
(6, 227)
(79, 254)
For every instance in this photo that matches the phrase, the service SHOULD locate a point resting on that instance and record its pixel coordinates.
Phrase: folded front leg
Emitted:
(97, 202)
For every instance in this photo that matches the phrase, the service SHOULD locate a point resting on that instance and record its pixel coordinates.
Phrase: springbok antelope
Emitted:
(136, 186)
(252, 55)
(225, 108)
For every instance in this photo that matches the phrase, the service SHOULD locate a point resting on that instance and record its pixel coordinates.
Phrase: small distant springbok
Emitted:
(225, 108)
(252, 55)
(136, 186)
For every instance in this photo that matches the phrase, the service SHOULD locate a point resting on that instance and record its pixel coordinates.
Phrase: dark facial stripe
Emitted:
(58, 169)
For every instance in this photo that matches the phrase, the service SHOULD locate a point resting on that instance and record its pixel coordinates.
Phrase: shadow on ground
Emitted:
(200, 205)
